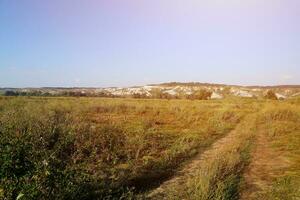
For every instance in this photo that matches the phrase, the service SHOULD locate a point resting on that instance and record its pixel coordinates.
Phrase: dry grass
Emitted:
(112, 145)
(281, 122)
(115, 148)
(220, 173)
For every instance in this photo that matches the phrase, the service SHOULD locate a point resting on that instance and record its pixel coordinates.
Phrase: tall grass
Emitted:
(281, 124)
(220, 175)
(80, 148)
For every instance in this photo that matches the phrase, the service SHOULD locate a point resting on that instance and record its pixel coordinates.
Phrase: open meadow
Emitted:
(150, 100)
(124, 148)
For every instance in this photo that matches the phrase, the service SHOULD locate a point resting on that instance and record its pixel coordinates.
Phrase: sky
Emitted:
(101, 43)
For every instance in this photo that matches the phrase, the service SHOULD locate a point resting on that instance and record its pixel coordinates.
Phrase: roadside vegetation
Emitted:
(281, 125)
(220, 169)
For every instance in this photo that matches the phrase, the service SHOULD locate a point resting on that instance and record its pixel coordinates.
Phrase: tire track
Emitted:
(189, 170)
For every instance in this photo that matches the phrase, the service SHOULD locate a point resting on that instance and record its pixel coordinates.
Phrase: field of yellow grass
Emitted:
(101, 148)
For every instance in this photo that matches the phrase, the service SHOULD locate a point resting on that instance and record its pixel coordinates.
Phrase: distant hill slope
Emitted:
(222, 85)
(193, 90)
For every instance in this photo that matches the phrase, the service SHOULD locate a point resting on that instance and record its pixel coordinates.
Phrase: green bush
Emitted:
(46, 155)
(35, 154)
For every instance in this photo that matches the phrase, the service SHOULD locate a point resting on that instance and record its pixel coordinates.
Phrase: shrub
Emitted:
(200, 95)
(271, 95)
(35, 153)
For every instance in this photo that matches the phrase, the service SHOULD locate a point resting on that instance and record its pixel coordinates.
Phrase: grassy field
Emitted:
(279, 142)
(101, 148)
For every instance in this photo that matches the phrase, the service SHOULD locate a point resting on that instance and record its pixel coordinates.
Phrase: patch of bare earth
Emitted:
(266, 164)
(191, 168)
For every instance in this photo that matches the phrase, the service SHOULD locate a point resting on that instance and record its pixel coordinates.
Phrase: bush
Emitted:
(200, 95)
(45, 154)
(271, 95)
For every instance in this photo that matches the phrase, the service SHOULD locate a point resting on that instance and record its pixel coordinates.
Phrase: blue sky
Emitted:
(102, 43)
